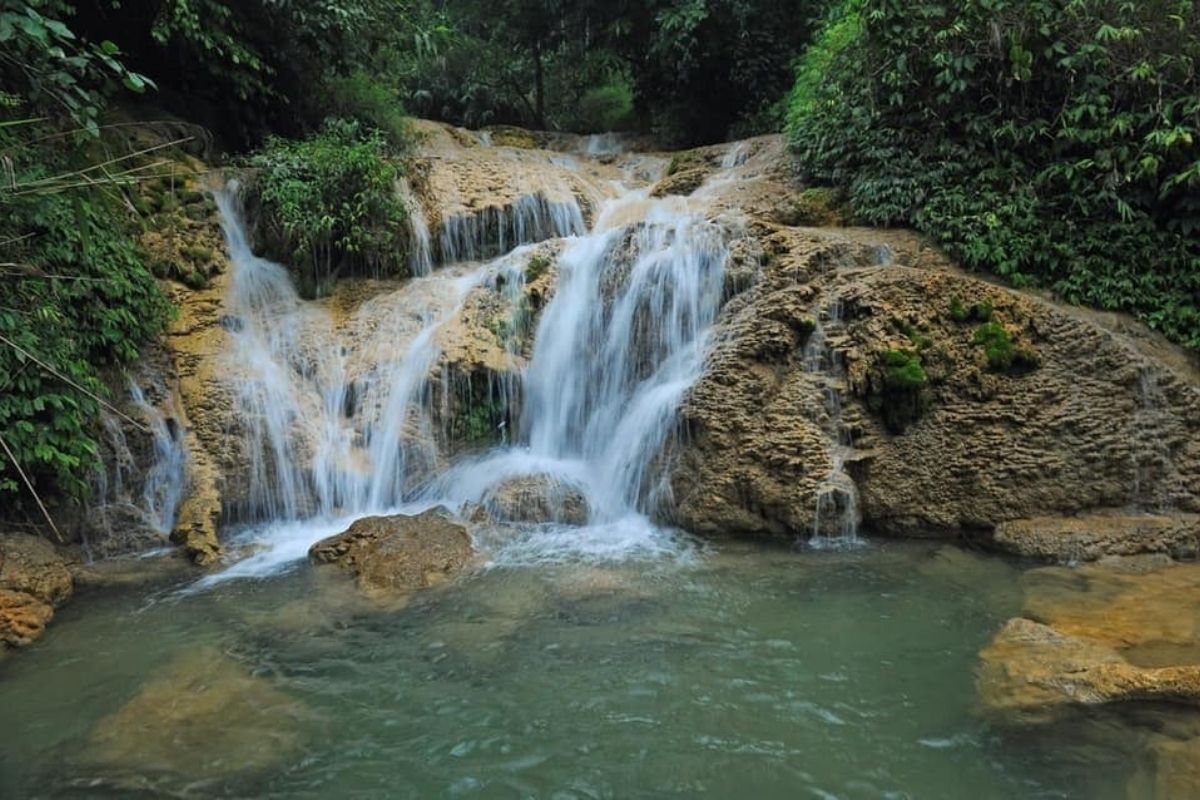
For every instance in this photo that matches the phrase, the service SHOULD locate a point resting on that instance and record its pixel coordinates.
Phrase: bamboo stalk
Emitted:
(32, 491)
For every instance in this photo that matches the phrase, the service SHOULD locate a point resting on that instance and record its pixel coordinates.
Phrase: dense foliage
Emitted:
(1050, 141)
(75, 296)
(330, 202)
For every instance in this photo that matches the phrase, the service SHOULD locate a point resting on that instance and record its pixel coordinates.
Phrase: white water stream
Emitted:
(337, 414)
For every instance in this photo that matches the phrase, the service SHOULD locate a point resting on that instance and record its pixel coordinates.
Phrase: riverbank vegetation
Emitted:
(1055, 142)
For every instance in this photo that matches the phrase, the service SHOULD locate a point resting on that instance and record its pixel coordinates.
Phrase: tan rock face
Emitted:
(1100, 420)
(23, 618)
(1092, 536)
(391, 557)
(204, 718)
(30, 565)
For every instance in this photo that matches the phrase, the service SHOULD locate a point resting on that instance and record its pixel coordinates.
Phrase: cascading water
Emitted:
(493, 231)
(136, 497)
(837, 515)
(337, 415)
(619, 344)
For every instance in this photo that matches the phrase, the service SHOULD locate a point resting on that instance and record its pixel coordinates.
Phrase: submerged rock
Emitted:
(205, 718)
(394, 556)
(537, 498)
(1030, 670)
(1119, 631)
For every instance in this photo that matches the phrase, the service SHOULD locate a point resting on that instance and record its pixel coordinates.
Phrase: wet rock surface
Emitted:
(392, 557)
(1093, 536)
(537, 499)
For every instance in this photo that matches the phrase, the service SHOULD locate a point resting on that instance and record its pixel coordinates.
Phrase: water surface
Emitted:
(745, 672)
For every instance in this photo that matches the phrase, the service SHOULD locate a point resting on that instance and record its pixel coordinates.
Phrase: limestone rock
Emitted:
(23, 618)
(397, 555)
(122, 528)
(204, 718)
(31, 565)
(1030, 670)
(537, 498)
(1148, 611)
(1095, 418)
(1093, 536)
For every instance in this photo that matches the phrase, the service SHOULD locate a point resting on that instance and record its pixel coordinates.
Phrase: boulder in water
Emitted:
(31, 565)
(397, 555)
(1031, 670)
(204, 719)
(539, 498)
(23, 618)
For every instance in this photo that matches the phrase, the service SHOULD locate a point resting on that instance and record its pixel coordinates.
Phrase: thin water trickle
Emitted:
(420, 242)
(836, 516)
(165, 480)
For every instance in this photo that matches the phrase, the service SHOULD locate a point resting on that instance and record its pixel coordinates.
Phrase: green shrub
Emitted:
(904, 395)
(1053, 143)
(903, 370)
(605, 108)
(371, 104)
(330, 202)
(1003, 355)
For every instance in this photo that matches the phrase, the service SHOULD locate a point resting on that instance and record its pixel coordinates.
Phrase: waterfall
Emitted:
(336, 416)
(735, 156)
(836, 516)
(495, 230)
(136, 495)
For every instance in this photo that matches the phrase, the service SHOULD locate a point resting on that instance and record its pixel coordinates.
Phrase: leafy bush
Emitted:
(1050, 142)
(329, 202)
(605, 108)
(903, 370)
(369, 102)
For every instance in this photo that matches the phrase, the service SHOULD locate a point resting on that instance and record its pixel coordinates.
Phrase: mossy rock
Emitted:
(506, 136)
(978, 312)
(816, 207)
(680, 183)
(1003, 354)
(901, 396)
(688, 160)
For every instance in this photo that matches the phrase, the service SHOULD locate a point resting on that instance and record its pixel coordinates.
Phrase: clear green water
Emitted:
(752, 673)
